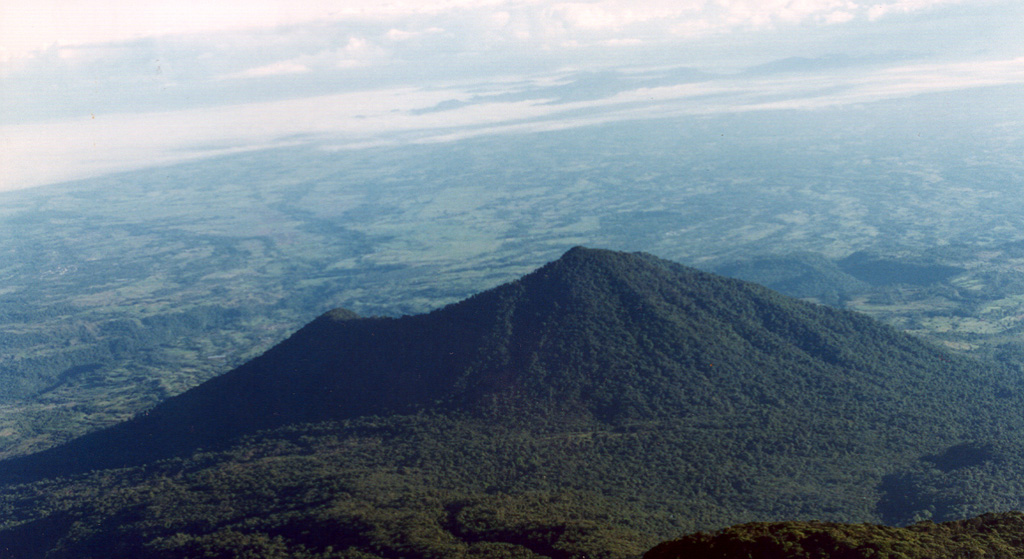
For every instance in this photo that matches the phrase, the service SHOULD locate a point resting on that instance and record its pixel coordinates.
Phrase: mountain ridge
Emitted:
(597, 333)
(598, 405)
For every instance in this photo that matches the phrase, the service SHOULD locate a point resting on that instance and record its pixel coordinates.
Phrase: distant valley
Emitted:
(120, 291)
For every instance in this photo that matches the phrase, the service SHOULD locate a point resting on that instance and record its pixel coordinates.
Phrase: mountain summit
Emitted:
(602, 403)
(595, 334)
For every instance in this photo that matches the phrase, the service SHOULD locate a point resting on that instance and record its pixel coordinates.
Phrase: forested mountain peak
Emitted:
(595, 335)
(596, 406)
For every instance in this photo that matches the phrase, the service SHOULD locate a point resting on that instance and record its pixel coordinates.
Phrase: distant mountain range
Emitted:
(594, 407)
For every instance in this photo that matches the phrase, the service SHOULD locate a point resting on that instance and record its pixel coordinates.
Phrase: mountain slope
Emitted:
(599, 404)
(803, 275)
(993, 536)
(598, 334)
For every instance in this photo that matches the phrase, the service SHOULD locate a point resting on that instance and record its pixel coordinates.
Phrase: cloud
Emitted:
(879, 10)
(922, 78)
(27, 26)
(276, 69)
(622, 42)
(719, 16)
(357, 52)
(38, 153)
(205, 59)
(607, 15)
(839, 16)
(400, 35)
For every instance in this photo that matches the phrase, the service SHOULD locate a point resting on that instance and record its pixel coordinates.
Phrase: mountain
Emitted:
(603, 403)
(596, 334)
(803, 275)
(881, 271)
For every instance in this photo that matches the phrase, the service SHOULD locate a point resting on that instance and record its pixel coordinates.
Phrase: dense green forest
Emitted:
(599, 405)
(992, 536)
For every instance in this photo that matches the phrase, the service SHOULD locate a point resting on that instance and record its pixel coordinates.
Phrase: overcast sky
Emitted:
(95, 86)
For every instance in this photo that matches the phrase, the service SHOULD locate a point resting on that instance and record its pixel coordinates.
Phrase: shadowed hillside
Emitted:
(596, 334)
(992, 536)
(598, 405)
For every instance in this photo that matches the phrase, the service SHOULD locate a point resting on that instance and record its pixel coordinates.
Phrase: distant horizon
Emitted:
(107, 86)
